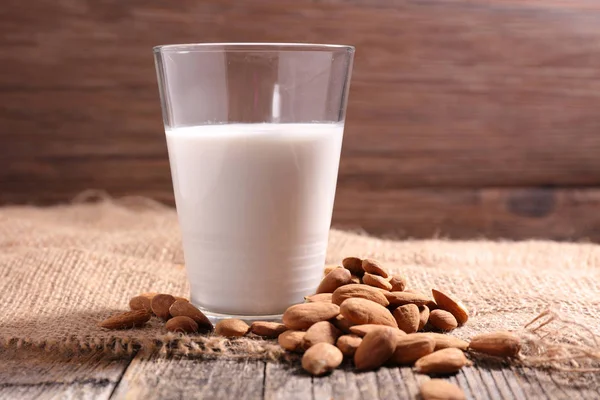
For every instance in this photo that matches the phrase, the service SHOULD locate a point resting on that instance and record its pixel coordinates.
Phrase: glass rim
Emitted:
(250, 47)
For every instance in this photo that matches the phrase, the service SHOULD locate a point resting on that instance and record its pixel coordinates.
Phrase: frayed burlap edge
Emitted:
(549, 342)
(212, 346)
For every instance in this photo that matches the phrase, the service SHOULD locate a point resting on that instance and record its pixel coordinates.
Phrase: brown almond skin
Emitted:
(321, 332)
(454, 307)
(362, 291)
(330, 268)
(442, 320)
(444, 341)
(423, 316)
(182, 324)
(376, 348)
(407, 317)
(376, 281)
(140, 303)
(362, 330)
(320, 297)
(303, 316)
(267, 329)
(126, 320)
(342, 323)
(398, 283)
(292, 340)
(499, 344)
(161, 304)
(440, 389)
(333, 280)
(362, 311)
(321, 359)
(355, 280)
(348, 344)
(373, 267)
(231, 327)
(412, 347)
(149, 295)
(354, 265)
(397, 299)
(442, 362)
(183, 308)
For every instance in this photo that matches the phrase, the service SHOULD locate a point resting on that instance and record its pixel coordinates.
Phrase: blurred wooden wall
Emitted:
(466, 118)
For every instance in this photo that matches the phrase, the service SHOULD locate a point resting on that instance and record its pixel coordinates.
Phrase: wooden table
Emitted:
(33, 375)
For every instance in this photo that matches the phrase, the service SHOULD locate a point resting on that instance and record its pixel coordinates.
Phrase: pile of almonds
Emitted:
(359, 312)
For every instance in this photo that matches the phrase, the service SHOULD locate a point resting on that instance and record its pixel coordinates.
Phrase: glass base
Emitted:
(216, 317)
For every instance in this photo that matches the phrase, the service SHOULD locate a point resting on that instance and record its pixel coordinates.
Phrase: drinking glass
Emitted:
(254, 133)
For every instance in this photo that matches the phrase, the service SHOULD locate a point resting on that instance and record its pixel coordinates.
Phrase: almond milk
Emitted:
(254, 203)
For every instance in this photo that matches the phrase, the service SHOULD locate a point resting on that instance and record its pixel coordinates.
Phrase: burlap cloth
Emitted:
(64, 268)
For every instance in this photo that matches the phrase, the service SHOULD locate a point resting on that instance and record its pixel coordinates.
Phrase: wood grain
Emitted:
(28, 374)
(494, 213)
(446, 95)
(183, 378)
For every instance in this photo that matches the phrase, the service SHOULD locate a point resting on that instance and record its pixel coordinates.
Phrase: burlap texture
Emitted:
(64, 268)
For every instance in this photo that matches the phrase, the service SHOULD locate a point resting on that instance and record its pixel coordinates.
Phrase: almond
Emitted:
(411, 347)
(362, 330)
(407, 317)
(439, 389)
(442, 320)
(362, 311)
(179, 298)
(160, 305)
(126, 320)
(302, 316)
(149, 295)
(373, 267)
(398, 283)
(430, 303)
(231, 327)
(267, 329)
(361, 291)
(321, 332)
(183, 308)
(292, 340)
(321, 359)
(454, 307)
(375, 349)
(342, 323)
(140, 303)
(446, 361)
(355, 279)
(329, 268)
(333, 280)
(321, 297)
(182, 324)
(376, 281)
(423, 316)
(401, 298)
(499, 344)
(348, 344)
(354, 265)
(445, 341)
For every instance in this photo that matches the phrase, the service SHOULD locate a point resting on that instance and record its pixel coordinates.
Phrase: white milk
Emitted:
(254, 203)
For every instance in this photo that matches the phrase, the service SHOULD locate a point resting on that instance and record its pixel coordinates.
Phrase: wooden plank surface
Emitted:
(494, 213)
(446, 95)
(183, 378)
(38, 375)
(93, 377)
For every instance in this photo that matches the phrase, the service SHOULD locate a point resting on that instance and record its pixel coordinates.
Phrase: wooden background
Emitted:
(466, 118)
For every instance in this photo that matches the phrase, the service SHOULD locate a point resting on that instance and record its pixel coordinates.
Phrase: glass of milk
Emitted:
(254, 133)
